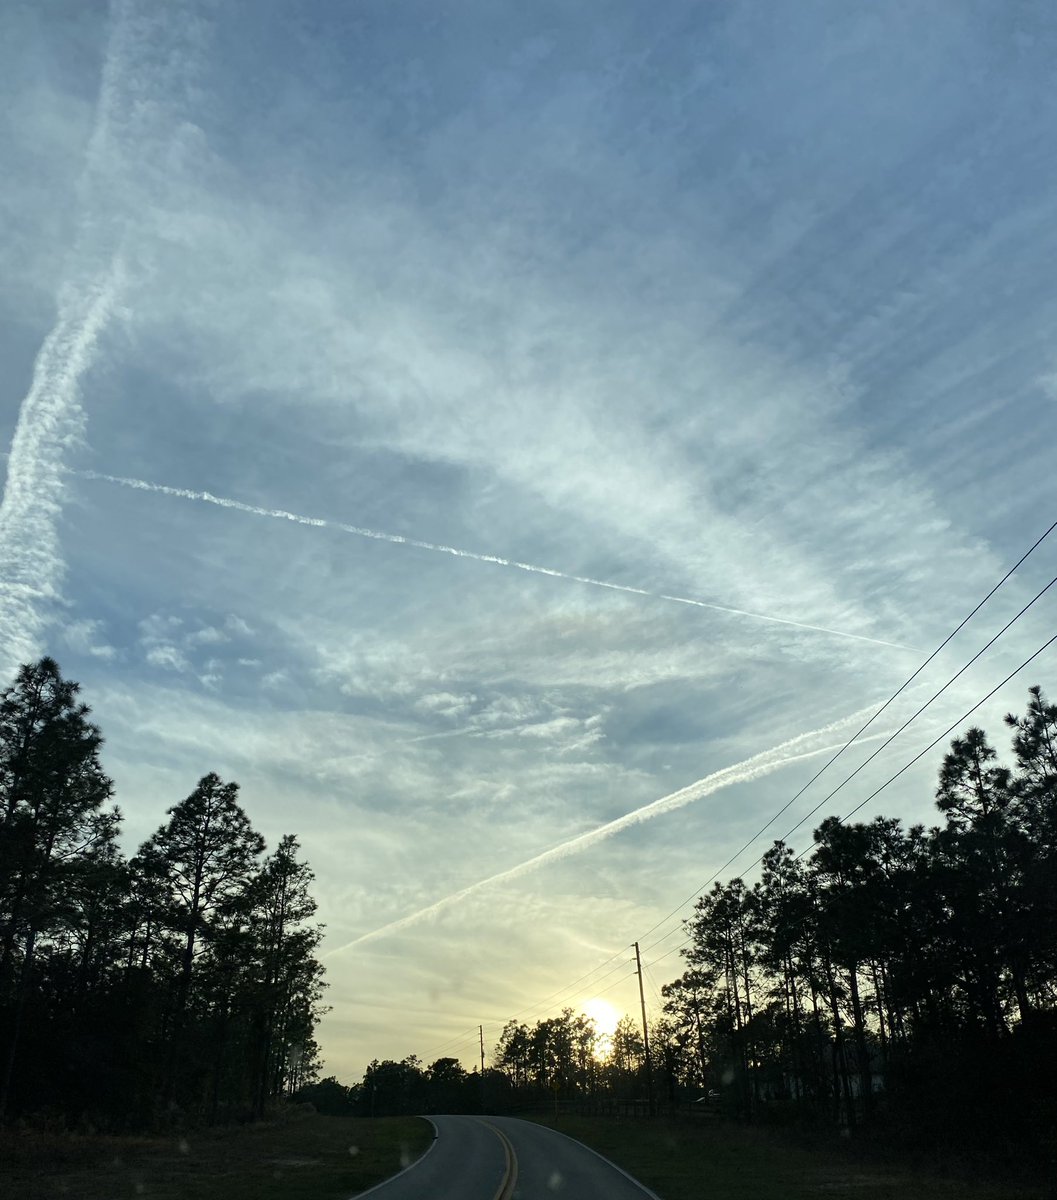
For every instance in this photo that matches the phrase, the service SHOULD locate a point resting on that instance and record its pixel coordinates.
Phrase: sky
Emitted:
(520, 443)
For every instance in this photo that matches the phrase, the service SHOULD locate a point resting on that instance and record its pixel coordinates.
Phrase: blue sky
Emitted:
(749, 304)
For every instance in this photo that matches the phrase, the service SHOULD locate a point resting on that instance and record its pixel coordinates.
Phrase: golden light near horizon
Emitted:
(606, 1019)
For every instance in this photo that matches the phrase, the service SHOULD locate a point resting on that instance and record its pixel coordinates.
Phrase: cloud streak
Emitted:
(280, 514)
(31, 565)
(147, 64)
(49, 419)
(765, 763)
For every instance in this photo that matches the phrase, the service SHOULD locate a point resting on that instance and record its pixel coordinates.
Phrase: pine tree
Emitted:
(52, 792)
(287, 977)
(203, 858)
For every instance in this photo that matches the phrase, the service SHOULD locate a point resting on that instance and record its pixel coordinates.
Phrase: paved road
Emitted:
(502, 1158)
(468, 1161)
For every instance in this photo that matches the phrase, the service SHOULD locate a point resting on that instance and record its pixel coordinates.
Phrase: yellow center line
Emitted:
(509, 1180)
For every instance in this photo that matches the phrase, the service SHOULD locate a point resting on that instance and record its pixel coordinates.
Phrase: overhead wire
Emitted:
(653, 984)
(917, 713)
(623, 979)
(858, 733)
(471, 1035)
(572, 986)
(905, 767)
(950, 729)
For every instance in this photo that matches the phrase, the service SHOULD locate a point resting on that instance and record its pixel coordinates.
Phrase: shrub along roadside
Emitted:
(308, 1158)
(686, 1159)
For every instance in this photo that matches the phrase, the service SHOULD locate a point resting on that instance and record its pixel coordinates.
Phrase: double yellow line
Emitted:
(509, 1180)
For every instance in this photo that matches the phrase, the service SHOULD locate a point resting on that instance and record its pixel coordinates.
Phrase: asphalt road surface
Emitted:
(502, 1158)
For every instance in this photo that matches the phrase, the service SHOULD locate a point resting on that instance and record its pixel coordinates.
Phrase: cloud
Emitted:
(445, 704)
(208, 635)
(167, 657)
(160, 625)
(86, 637)
(158, 635)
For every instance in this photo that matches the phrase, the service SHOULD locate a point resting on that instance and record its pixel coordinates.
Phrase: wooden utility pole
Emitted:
(480, 1034)
(645, 1031)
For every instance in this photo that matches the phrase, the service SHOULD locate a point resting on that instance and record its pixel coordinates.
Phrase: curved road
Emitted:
(502, 1158)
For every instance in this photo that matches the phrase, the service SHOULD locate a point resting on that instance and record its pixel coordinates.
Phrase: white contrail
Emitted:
(768, 761)
(280, 514)
(49, 418)
(149, 57)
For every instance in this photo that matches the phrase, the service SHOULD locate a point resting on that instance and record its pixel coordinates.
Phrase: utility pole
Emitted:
(645, 1031)
(480, 1034)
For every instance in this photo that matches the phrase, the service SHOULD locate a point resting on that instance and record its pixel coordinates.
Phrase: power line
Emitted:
(949, 729)
(854, 737)
(623, 979)
(572, 986)
(653, 984)
(905, 767)
(451, 1043)
(887, 742)
(983, 649)
(470, 1034)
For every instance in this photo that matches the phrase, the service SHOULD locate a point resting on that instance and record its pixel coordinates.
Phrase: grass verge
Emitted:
(684, 1159)
(310, 1158)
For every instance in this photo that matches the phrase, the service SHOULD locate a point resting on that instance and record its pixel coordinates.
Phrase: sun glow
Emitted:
(606, 1019)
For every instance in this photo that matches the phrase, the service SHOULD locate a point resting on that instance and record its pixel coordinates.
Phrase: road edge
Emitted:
(410, 1166)
(646, 1191)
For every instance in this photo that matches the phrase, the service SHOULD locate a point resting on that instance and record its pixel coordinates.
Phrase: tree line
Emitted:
(178, 984)
(565, 1054)
(893, 973)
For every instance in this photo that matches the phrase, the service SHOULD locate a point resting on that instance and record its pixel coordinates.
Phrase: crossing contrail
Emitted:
(145, 59)
(795, 750)
(50, 416)
(31, 566)
(279, 514)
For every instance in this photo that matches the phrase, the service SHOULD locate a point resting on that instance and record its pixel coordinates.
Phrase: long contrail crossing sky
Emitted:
(764, 763)
(279, 514)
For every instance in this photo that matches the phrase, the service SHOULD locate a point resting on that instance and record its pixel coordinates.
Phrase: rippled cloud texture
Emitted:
(518, 442)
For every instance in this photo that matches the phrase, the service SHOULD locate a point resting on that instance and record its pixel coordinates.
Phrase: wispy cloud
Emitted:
(795, 750)
(50, 418)
(31, 565)
(280, 514)
(88, 637)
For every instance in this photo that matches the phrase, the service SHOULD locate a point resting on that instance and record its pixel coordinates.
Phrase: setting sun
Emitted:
(606, 1018)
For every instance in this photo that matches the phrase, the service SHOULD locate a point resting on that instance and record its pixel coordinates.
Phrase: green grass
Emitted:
(687, 1159)
(310, 1158)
